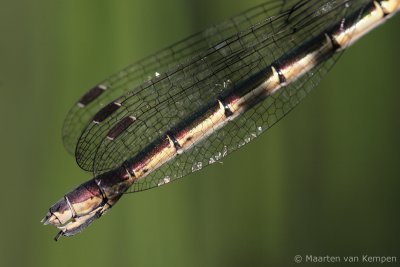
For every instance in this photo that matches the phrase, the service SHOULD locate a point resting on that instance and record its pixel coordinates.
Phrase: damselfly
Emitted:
(196, 101)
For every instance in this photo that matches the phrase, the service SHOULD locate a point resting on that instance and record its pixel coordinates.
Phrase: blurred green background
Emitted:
(324, 181)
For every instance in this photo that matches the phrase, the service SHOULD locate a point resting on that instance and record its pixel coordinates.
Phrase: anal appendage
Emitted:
(88, 202)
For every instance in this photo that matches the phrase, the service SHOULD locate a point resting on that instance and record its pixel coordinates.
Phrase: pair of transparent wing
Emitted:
(195, 72)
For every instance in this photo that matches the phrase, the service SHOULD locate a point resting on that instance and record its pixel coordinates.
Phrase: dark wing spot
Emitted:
(93, 93)
(120, 127)
(105, 112)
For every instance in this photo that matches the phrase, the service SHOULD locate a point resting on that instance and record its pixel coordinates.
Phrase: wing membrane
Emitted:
(162, 102)
(131, 77)
(177, 86)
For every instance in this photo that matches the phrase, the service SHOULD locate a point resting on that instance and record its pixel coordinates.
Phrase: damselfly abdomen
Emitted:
(193, 103)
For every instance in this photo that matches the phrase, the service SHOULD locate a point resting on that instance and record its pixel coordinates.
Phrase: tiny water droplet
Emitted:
(241, 144)
(225, 151)
(197, 166)
(165, 180)
(227, 83)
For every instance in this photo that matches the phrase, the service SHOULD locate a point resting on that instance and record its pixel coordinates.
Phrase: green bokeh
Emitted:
(323, 181)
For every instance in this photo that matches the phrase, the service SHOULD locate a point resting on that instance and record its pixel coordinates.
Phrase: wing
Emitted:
(165, 100)
(129, 79)
(162, 102)
(176, 86)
